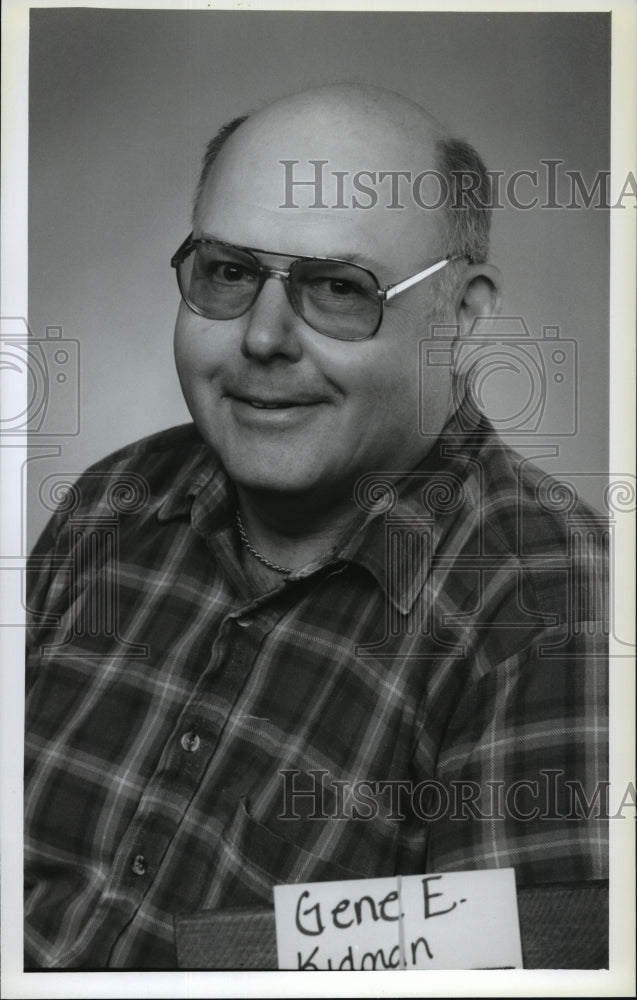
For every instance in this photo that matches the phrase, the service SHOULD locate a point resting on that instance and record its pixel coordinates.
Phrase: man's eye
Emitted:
(340, 287)
(337, 288)
(231, 273)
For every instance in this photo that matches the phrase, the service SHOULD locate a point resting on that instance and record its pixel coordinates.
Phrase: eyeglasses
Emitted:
(337, 298)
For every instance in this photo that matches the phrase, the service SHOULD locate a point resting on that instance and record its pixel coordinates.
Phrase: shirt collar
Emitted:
(404, 516)
(201, 470)
(410, 515)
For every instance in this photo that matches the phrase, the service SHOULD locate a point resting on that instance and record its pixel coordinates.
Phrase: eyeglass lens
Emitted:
(337, 299)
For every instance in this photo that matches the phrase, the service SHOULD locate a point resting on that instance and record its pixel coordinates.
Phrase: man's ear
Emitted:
(479, 296)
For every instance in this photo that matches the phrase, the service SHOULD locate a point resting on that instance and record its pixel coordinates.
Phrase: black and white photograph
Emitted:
(318, 506)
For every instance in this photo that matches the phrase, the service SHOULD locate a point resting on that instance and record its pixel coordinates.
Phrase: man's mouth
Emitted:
(278, 405)
(270, 413)
(281, 403)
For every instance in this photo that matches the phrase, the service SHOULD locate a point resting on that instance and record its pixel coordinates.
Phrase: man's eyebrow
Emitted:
(353, 256)
(357, 258)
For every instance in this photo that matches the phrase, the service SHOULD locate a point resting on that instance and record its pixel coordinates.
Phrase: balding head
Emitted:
(373, 130)
(352, 120)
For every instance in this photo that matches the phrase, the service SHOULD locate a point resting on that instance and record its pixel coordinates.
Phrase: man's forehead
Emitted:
(310, 175)
(352, 137)
(319, 235)
(365, 237)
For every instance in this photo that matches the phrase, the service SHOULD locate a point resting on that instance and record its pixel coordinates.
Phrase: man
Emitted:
(276, 646)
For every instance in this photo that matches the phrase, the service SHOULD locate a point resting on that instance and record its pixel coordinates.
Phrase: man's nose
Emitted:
(271, 324)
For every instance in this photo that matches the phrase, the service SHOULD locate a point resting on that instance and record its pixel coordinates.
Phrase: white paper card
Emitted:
(457, 920)
(469, 920)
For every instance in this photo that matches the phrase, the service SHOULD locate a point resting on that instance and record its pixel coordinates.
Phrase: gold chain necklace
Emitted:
(283, 570)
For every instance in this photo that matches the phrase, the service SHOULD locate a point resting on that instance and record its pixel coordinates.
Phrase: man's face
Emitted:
(286, 408)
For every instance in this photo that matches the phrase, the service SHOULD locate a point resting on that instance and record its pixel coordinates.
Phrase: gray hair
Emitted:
(213, 149)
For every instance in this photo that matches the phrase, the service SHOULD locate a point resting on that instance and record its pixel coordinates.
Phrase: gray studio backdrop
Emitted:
(121, 106)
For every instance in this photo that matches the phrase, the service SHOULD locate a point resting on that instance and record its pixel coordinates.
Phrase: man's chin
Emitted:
(271, 482)
(289, 483)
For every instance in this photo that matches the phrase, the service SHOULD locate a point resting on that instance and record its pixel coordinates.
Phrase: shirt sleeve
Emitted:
(523, 765)
(42, 581)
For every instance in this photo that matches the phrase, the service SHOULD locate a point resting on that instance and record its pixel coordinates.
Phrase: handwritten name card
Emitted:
(458, 920)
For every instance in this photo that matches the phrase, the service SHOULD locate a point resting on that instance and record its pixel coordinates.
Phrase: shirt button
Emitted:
(190, 742)
(139, 865)
(244, 622)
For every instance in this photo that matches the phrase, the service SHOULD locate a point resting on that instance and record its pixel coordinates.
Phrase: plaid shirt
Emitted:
(431, 698)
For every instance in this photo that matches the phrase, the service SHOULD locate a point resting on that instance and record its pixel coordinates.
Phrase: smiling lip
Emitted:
(273, 406)
(259, 413)
(276, 404)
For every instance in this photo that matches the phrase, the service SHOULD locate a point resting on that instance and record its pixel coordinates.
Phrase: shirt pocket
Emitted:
(253, 855)
(250, 858)
(297, 851)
